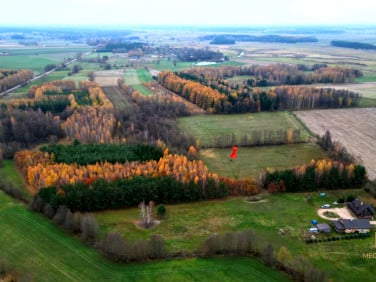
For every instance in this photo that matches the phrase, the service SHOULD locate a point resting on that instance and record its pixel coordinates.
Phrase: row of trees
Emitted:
(271, 75)
(100, 195)
(11, 78)
(352, 44)
(321, 174)
(259, 138)
(256, 100)
(247, 242)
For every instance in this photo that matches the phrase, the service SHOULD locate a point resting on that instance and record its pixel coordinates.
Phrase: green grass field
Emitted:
(188, 225)
(135, 78)
(40, 251)
(34, 63)
(206, 128)
(251, 161)
(36, 58)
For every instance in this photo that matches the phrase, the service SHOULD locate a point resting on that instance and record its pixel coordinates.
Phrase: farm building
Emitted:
(323, 227)
(360, 209)
(352, 225)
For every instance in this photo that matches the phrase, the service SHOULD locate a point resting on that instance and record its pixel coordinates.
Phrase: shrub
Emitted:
(340, 200)
(89, 228)
(161, 211)
(350, 198)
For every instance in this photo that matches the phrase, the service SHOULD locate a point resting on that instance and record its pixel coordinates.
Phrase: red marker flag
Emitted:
(233, 153)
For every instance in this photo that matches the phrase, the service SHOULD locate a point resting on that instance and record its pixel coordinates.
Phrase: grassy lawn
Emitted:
(250, 161)
(42, 252)
(188, 225)
(206, 128)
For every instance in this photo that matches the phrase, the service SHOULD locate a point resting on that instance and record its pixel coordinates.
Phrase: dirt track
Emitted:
(355, 129)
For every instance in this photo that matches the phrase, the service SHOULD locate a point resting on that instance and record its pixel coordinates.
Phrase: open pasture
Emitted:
(355, 129)
(251, 161)
(186, 226)
(206, 129)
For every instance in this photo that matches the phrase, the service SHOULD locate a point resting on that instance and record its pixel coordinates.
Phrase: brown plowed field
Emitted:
(353, 128)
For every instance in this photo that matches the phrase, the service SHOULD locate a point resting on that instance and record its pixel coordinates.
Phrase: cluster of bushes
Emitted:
(334, 149)
(101, 195)
(114, 246)
(84, 154)
(84, 225)
(242, 243)
(12, 190)
(337, 238)
(317, 175)
(348, 199)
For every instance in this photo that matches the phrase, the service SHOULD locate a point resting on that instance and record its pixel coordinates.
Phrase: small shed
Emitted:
(323, 228)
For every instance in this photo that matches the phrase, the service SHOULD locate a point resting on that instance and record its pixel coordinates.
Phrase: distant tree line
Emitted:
(256, 100)
(270, 75)
(197, 55)
(260, 38)
(222, 40)
(353, 45)
(120, 47)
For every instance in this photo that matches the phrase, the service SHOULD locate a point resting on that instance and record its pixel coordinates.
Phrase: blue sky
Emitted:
(188, 12)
